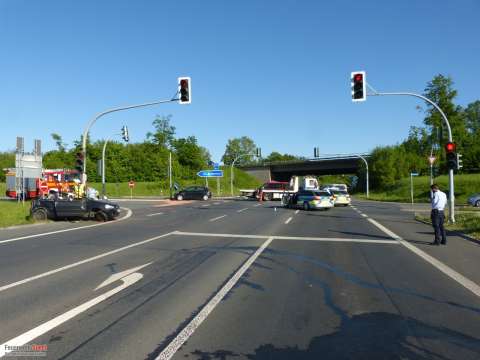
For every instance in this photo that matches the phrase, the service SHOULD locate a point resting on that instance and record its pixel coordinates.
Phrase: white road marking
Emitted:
(363, 215)
(216, 203)
(258, 205)
(278, 237)
(217, 218)
(84, 261)
(127, 215)
(297, 211)
(239, 211)
(117, 276)
(28, 336)
(155, 214)
(205, 205)
(459, 278)
(288, 220)
(183, 336)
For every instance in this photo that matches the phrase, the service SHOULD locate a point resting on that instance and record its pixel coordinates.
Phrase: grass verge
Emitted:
(14, 213)
(466, 223)
(465, 185)
(220, 187)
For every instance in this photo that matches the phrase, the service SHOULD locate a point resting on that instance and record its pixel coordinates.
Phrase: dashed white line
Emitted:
(155, 214)
(217, 218)
(258, 205)
(239, 211)
(183, 336)
(297, 211)
(288, 220)
(205, 205)
(216, 203)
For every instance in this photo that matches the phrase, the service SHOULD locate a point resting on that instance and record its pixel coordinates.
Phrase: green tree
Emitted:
(276, 156)
(189, 154)
(164, 132)
(244, 146)
(61, 146)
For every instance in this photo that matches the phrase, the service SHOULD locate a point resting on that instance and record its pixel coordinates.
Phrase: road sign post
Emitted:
(210, 173)
(411, 189)
(131, 185)
(431, 160)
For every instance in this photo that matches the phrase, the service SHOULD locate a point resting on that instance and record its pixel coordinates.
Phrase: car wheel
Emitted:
(101, 216)
(205, 197)
(179, 197)
(267, 197)
(39, 215)
(477, 203)
(306, 206)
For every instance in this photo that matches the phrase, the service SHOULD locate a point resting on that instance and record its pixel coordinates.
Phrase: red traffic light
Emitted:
(358, 77)
(184, 90)
(450, 147)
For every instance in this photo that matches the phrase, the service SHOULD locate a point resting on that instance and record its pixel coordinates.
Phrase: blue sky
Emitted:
(277, 71)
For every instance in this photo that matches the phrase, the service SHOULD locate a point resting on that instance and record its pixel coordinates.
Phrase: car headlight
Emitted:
(109, 207)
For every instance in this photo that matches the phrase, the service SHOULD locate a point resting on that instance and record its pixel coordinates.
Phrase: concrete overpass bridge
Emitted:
(283, 171)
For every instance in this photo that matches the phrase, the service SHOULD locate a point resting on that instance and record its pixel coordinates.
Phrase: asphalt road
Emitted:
(240, 280)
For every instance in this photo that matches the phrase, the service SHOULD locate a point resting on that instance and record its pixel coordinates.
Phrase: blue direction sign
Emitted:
(210, 173)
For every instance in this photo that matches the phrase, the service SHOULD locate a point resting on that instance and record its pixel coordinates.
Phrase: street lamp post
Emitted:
(451, 195)
(231, 169)
(98, 116)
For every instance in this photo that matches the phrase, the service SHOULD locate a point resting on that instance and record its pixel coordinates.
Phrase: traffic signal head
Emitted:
(184, 90)
(451, 156)
(79, 161)
(125, 133)
(459, 161)
(359, 86)
(259, 152)
(316, 152)
(450, 147)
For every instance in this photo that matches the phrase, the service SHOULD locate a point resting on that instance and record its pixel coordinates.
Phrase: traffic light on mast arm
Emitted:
(125, 133)
(184, 90)
(451, 155)
(258, 152)
(79, 161)
(359, 86)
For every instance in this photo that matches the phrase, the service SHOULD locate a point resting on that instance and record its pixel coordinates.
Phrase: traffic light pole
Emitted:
(98, 116)
(451, 189)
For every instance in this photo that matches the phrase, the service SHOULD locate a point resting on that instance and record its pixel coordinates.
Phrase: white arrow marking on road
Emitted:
(115, 277)
(129, 279)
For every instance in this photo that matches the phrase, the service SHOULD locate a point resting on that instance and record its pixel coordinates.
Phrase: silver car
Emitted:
(474, 200)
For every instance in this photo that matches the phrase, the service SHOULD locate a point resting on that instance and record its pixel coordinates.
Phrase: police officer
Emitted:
(439, 201)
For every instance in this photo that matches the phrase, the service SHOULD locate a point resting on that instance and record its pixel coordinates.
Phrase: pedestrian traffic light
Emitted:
(125, 136)
(359, 86)
(451, 156)
(259, 152)
(79, 161)
(316, 152)
(184, 90)
(459, 161)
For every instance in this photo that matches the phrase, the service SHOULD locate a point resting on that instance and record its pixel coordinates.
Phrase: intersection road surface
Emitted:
(233, 279)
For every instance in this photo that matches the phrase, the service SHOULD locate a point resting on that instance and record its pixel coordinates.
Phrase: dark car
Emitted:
(193, 193)
(57, 209)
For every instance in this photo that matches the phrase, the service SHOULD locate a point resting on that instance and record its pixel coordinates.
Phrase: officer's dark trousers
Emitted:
(438, 218)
